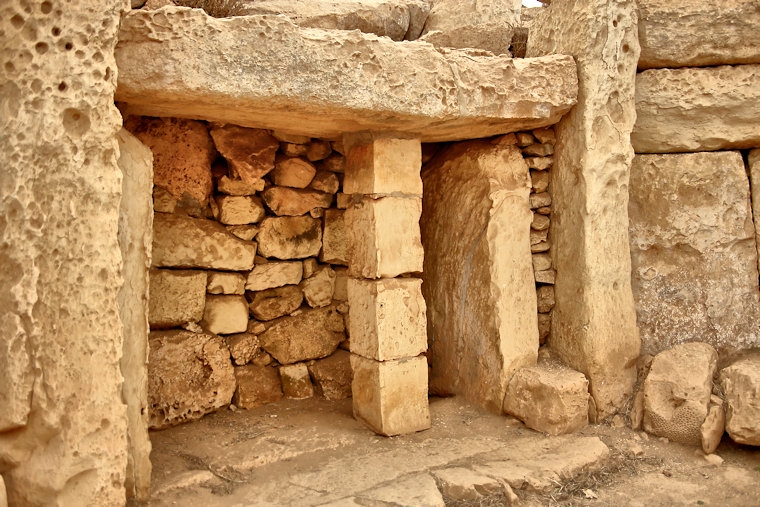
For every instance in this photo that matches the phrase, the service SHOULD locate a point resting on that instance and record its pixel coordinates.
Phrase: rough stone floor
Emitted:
(313, 452)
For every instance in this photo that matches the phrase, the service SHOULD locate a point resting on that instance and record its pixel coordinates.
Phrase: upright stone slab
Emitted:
(594, 320)
(693, 253)
(754, 179)
(479, 284)
(59, 251)
(741, 385)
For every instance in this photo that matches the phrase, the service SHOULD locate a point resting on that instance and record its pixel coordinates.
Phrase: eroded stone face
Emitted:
(290, 237)
(176, 297)
(311, 335)
(741, 385)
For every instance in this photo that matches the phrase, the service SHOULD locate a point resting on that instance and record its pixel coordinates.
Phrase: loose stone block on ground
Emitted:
(296, 383)
(332, 375)
(741, 385)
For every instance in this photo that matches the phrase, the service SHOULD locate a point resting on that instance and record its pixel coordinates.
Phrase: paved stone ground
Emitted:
(314, 453)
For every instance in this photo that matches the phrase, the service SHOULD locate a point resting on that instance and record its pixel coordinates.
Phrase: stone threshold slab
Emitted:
(265, 72)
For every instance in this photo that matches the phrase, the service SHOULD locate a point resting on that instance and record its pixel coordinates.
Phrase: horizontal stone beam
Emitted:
(265, 72)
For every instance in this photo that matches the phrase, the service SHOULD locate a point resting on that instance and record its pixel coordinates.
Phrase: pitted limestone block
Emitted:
(220, 282)
(382, 165)
(388, 319)
(334, 241)
(176, 297)
(274, 303)
(391, 397)
(312, 334)
(274, 274)
(741, 385)
(548, 397)
(290, 237)
(318, 289)
(184, 242)
(296, 383)
(677, 392)
(189, 375)
(293, 172)
(225, 314)
(182, 154)
(249, 152)
(292, 202)
(239, 209)
(384, 237)
(243, 347)
(332, 375)
(256, 386)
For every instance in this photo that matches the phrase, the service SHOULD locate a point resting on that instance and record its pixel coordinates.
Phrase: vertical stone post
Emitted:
(594, 320)
(388, 319)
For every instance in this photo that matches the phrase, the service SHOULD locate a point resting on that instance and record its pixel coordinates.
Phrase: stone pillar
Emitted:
(594, 320)
(388, 314)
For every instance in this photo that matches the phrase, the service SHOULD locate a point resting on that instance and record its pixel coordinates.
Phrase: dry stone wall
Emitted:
(248, 280)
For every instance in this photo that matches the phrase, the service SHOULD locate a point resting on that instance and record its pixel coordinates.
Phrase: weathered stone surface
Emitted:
(318, 289)
(479, 288)
(594, 321)
(398, 20)
(340, 293)
(545, 299)
(293, 172)
(544, 327)
(334, 242)
(377, 164)
(312, 334)
(296, 382)
(219, 282)
(318, 150)
(482, 24)
(335, 163)
(244, 232)
(418, 489)
(243, 347)
(458, 483)
(683, 110)
(285, 201)
(176, 297)
(741, 385)
(249, 152)
(239, 209)
(229, 186)
(388, 319)
(256, 386)
(332, 375)
(274, 303)
(713, 428)
(459, 96)
(384, 237)
(391, 397)
(677, 392)
(189, 375)
(274, 274)
(182, 154)
(690, 33)
(325, 181)
(754, 178)
(184, 242)
(290, 237)
(550, 398)
(225, 314)
(693, 253)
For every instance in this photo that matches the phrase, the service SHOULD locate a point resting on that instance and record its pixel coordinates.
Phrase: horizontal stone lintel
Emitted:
(265, 72)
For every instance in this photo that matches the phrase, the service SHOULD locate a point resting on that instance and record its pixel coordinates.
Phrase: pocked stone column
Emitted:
(388, 319)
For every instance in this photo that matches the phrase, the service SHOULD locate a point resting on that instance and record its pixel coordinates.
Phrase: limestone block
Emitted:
(540, 200)
(220, 282)
(225, 315)
(690, 33)
(313, 334)
(677, 392)
(460, 96)
(594, 320)
(285, 201)
(334, 242)
(335, 163)
(176, 297)
(325, 181)
(293, 172)
(545, 135)
(399, 20)
(289, 138)
(545, 298)
(290, 237)
(249, 152)
(274, 303)
(479, 287)
(388, 319)
(332, 375)
(550, 398)
(189, 375)
(754, 178)
(544, 327)
(184, 242)
(296, 382)
(693, 253)
(243, 347)
(229, 186)
(458, 483)
(541, 261)
(340, 292)
(274, 274)
(376, 164)
(182, 154)
(293, 150)
(318, 150)
(741, 385)
(384, 237)
(713, 428)
(318, 289)
(256, 386)
(239, 209)
(692, 109)
(480, 24)
(540, 164)
(391, 397)
(244, 232)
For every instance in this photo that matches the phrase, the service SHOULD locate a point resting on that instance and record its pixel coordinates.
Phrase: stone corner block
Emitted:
(382, 165)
